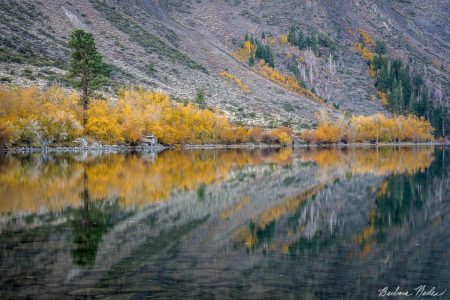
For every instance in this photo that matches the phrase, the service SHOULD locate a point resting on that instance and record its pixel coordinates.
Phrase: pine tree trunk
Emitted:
(84, 86)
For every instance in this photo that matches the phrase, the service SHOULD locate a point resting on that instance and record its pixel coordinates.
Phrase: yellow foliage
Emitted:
(372, 71)
(102, 122)
(383, 98)
(376, 128)
(365, 36)
(381, 162)
(30, 116)
(283, 39)
(243, 53)
(289, 82)
(326, 134)
(33, 186)
(281, 135)
(363, 51)
(307, 136)
(400, 128)
(236, 80)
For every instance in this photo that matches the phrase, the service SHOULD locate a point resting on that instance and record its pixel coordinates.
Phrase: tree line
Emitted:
(373, 129)
(313, 41)
(262, 50)
(406, 94)
(399, 91)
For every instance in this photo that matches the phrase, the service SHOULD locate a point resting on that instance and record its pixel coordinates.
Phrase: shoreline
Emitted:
(374, 145)
(159, 148)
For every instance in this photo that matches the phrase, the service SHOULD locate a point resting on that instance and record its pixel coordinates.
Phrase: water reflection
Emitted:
(42, 183)
(232, 223)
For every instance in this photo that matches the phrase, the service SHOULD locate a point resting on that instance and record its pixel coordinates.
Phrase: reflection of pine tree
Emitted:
(405, 192)
(88, 224)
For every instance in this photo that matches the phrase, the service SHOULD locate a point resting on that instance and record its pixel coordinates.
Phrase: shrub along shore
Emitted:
(52, 118)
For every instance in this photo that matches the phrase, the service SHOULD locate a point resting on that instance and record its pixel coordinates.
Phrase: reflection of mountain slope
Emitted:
(306, 216)
(317, 255)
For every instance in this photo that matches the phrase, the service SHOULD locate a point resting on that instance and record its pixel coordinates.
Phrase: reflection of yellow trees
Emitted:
(248, 236)
(35, 187)
(365, 238)
(235, 209)
(29, 185)
(379, 162)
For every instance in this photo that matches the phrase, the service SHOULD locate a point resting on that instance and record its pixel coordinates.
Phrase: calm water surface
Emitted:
(318, 224)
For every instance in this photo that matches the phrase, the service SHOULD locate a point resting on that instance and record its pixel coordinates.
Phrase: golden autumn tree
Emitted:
(103, 122)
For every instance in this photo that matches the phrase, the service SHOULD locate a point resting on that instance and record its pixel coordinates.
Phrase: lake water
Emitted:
(225, 224)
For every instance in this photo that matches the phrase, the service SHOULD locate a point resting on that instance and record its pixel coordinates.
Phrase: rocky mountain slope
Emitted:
(180, 46)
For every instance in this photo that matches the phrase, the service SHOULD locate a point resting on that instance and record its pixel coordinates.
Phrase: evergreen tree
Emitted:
(252, 39)
(301, 43)
(380, 47)
(268, 56)
(200, 98)
(259, 53)
(251, 60)
(292, 36)
(86, 66)
(293, 67)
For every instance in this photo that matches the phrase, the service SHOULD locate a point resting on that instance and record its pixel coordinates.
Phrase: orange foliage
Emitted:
(102, 122)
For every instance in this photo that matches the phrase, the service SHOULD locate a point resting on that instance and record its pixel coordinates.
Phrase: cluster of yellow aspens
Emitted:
(30, 186)
(30, 116)
(244, 53)
(139, 112)
(236, 80)
(288, 82)
(374, 129)
(365, 49)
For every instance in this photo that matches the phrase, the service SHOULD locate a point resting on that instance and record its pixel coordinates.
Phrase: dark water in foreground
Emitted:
(319, 224)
